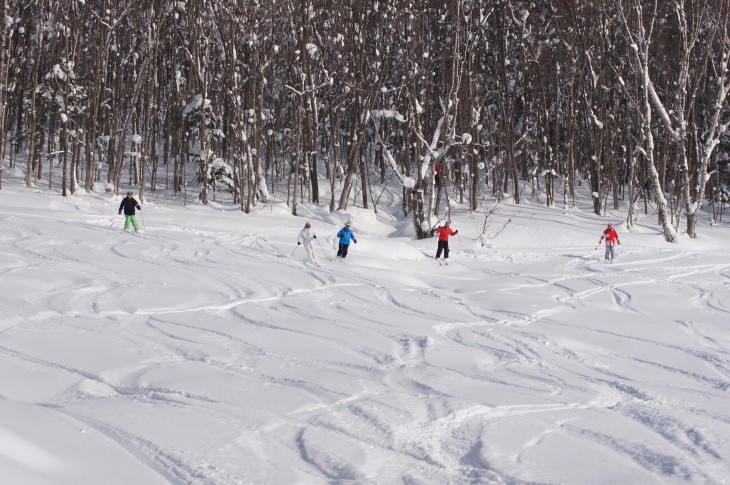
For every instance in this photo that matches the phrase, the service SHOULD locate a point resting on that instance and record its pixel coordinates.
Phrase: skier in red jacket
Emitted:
(611, 237)
(443, 245)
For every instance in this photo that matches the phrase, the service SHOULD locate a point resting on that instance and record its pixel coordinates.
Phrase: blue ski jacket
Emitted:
(345, 235)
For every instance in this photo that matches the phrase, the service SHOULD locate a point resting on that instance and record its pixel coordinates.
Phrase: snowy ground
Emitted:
(202, 352)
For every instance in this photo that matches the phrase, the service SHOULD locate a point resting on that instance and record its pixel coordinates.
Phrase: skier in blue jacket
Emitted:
(345, 235)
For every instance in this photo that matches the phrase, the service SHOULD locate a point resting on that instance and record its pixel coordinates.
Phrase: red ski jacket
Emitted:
(445, 232)
(611, 237)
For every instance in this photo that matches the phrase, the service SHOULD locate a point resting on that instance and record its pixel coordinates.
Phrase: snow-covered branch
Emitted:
(663, 112)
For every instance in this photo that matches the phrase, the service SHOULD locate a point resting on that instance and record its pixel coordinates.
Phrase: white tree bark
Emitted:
(639, 37)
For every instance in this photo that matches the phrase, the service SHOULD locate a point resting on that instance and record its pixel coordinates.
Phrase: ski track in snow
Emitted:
(217, 358)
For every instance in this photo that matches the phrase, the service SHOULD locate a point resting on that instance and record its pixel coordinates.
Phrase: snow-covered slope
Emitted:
(204, 351)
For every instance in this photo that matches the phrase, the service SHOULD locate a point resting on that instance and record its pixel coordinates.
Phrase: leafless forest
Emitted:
(253, 99)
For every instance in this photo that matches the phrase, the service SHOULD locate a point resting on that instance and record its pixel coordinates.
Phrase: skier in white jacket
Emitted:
(306, 236)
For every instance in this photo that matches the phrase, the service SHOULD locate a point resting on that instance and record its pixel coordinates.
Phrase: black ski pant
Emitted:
(443, 246)
(342, 251)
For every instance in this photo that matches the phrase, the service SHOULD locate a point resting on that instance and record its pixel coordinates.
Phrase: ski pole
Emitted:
(295, 250)
(323, 250)
(142, 217)
(460, 245)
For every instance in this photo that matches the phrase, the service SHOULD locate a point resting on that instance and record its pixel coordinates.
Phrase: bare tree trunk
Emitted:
(51, 148)
(297, 157)
(119, 156)
(640, 36)
(712, 134)
(33, 110)
(64, 151)
(5, 46)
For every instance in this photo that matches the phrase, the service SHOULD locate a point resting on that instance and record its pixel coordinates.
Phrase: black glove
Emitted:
(120, 212)
(456, 231)
(355, 241)
(314, 237)
(299, 243)
(139, 208)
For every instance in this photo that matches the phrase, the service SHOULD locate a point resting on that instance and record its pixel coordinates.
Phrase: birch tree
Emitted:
(639, 28)
(697, 96)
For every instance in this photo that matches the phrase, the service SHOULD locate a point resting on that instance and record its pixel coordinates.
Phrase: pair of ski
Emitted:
(442, 262)
(319, 265)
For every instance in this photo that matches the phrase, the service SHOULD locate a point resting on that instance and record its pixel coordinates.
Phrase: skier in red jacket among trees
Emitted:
(444, 232)
(611, 237)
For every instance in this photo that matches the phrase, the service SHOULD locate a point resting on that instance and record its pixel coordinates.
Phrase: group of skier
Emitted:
(345, 235)
(307, 236)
